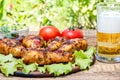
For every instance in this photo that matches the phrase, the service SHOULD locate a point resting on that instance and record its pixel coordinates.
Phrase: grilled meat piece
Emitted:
(59, 57)
(12, 46)
(73, 44)
(84, 45)
(32, 41)
(32, 56)
(43, 57)
(55, 43)
(16, 51)
(58, 50)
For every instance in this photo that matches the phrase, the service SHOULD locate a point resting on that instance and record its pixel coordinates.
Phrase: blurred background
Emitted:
(38, 13)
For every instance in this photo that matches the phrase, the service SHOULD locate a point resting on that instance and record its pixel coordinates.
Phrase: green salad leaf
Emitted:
(84, 59)
(42, 69)
(90, 51)
(9, 68)
(28, 68)
(7, 58)
(58, 69)
(83, 63)
(9, 64)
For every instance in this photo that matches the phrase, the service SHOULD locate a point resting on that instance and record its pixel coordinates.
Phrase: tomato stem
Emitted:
(80, 27)
(72, 28)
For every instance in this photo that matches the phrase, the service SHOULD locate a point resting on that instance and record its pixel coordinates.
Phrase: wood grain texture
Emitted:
(99, 71)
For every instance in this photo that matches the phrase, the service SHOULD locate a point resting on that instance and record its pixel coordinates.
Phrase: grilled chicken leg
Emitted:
(73, 44)
(55, 43)
(46, 57)
(31, 49)
(33, 41)
(11, 46)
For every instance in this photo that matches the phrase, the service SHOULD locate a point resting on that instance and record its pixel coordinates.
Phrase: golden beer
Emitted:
(108, 44)
(108, 32)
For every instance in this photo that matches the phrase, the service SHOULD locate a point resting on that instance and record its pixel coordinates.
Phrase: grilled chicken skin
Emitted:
(55, 43)
(33, 41)
(43, 57)
(31, 49)
(73, 44)
(12, 46)
(59, 57)
(32, 56)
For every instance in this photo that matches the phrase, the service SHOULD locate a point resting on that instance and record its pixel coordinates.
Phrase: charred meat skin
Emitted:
(84, 44)
(12, 46)
(73, 44)
(33, 41)
(32, 56)
(46, 57)
(57, 57)
(31, 49)
(55, 43)
(61, 44)
(16, 51)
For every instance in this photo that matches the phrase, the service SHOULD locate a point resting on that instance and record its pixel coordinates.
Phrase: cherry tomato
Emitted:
(72, 32)
(49, 32)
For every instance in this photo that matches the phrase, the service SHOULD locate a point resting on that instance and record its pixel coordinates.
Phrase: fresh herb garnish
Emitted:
(12, 35)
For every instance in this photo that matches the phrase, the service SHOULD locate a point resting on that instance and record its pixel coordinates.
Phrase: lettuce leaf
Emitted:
(84, 59)
(28, 68)
(9, 68)
(7, 58)
(58, 69)
(42, 69)
(9, 64)
(90, 51)
(83, 63)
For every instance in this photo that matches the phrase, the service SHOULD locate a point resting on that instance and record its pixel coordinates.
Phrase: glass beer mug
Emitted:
(108, 32)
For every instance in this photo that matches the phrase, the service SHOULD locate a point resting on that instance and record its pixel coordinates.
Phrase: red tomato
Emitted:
(71, 33)
(49, 32)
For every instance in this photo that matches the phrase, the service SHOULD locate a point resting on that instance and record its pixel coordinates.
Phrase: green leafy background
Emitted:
(60, 13)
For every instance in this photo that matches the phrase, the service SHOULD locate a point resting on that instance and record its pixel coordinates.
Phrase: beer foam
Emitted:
(109, 22)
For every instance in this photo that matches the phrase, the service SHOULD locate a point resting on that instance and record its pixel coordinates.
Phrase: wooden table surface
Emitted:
(99, 71)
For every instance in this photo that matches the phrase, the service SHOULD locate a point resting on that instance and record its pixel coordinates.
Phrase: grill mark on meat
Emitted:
(37, 37)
